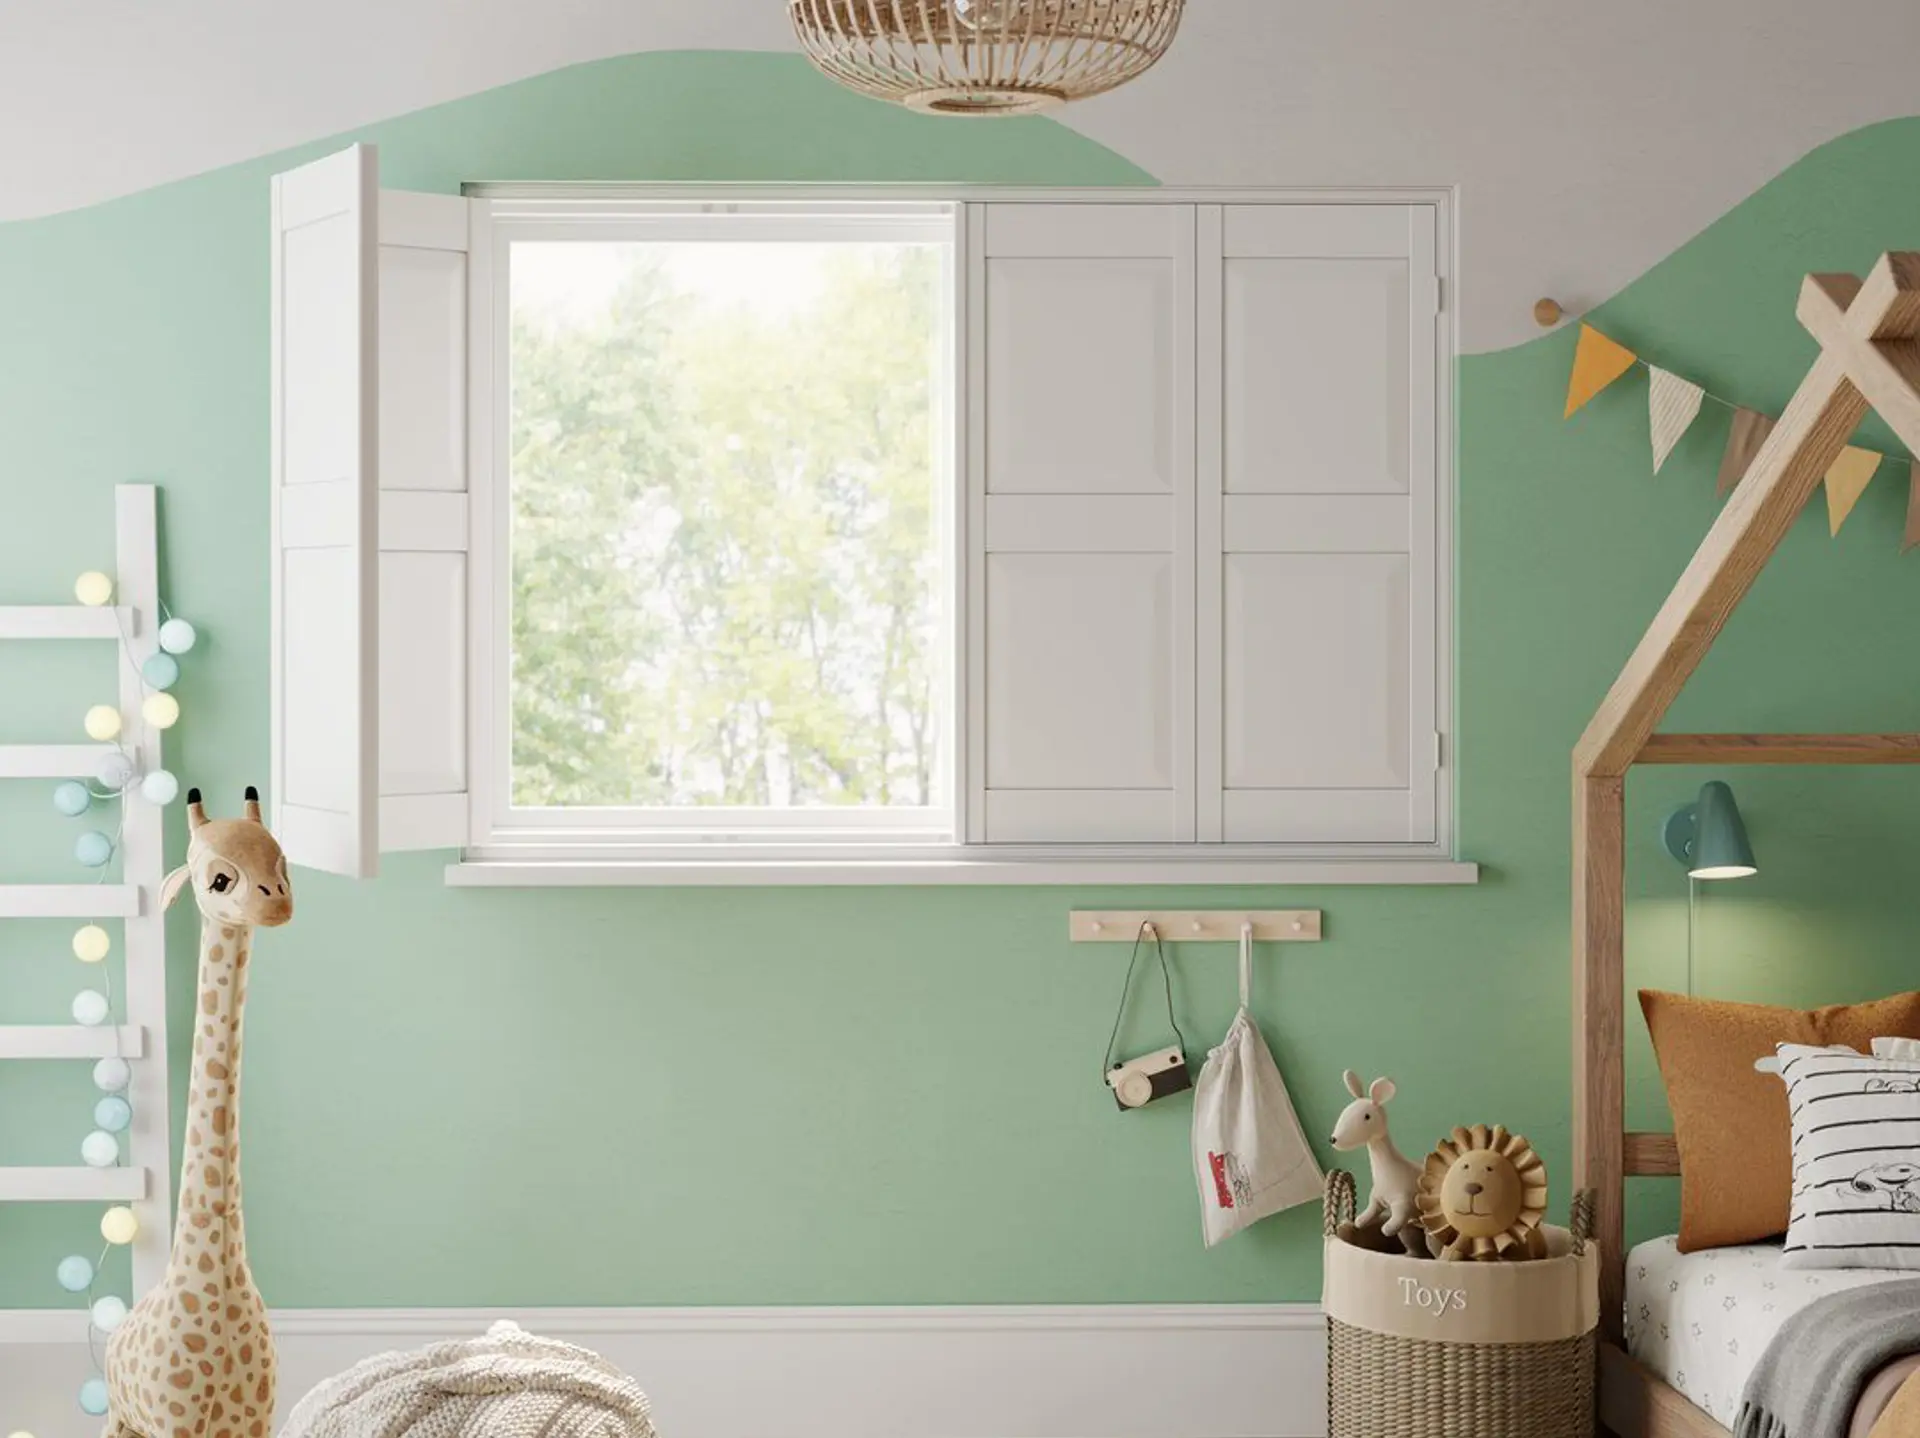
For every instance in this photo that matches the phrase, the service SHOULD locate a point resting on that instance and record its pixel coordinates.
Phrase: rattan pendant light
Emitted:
(984, 57)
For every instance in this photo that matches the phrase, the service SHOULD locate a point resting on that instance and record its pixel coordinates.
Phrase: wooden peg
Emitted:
(1547, 313)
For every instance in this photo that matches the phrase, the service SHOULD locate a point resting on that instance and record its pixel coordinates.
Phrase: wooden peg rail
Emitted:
(1195, 926)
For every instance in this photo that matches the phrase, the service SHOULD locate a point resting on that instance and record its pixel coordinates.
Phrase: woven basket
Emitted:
(1425, 1349)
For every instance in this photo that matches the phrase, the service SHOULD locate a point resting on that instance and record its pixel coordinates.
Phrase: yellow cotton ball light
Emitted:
(91, 944)
(119, 1226)
(93, 587)
(103, 723)
(161, 710)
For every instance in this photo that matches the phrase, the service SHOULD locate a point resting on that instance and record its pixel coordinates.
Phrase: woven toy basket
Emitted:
(1426, 1349)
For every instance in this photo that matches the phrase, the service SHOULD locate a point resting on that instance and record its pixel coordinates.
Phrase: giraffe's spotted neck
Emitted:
(209, 1222)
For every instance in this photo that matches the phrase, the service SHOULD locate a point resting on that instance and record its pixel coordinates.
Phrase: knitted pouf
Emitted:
(509, 1384)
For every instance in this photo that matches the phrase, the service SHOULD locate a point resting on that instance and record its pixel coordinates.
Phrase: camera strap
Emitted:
(1166, 981)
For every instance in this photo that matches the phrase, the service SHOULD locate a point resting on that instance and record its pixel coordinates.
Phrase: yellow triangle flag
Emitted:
(1847, 481)
(1597, 363)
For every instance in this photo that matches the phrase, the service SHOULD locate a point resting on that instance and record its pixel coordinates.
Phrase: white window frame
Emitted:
(591, 847)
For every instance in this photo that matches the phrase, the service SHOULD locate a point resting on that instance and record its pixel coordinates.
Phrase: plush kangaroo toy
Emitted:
(1396, 1178)
(195, 1357)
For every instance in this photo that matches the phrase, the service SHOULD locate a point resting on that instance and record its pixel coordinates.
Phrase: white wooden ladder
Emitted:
(143, 1180)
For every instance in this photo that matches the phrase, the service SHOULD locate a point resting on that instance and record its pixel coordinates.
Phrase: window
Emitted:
(729, 471)
(836, 535)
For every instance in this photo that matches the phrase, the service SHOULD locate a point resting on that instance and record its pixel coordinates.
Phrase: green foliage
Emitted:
(725, 556)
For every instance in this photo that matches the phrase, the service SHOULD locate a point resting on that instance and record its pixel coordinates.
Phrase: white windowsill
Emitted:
(772, 873)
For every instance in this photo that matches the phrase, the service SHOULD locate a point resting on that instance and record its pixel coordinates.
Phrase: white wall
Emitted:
(1588, 140)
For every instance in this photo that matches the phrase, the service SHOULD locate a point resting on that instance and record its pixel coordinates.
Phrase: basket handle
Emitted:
(1338, 1203)
(1581, 1221)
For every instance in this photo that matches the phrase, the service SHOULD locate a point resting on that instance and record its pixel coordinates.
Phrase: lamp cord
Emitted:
(1693, 901)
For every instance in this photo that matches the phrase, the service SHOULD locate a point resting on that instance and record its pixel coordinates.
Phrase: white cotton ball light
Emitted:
(93, 588)
(108, 1313)
(161, 710)
(100, 1149)
(119, 1226)
(160, 787)
(177, 636)
(103, 723)
(90, 1008)
(115, 772)
(112, 1075)
(91, 944)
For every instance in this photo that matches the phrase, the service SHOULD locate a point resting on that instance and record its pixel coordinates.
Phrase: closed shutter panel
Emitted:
(1081, 563)
(1317, 493)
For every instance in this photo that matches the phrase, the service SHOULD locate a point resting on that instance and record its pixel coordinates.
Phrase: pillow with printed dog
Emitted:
(1856, 1159)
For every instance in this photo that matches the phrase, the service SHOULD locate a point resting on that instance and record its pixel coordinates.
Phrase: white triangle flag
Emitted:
(1672, 405)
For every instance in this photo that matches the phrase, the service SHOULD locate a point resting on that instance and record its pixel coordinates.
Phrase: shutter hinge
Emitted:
(1439, 751)
(1439, 294)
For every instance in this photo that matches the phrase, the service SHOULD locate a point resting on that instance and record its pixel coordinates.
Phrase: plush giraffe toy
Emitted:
(194, 1359)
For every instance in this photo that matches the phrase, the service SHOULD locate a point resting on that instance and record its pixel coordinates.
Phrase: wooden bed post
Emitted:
(1869, 333)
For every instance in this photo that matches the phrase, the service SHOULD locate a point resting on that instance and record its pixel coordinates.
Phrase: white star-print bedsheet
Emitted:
(1702, 1320)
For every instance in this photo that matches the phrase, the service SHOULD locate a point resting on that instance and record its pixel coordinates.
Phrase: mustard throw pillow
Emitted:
(1730, 1123)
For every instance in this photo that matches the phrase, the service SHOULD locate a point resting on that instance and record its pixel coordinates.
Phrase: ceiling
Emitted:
(1587, 140)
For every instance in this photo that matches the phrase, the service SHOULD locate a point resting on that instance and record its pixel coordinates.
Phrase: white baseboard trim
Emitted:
(1125, 1371)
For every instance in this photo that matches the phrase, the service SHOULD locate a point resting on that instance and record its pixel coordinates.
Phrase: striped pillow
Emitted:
(1856, 1159)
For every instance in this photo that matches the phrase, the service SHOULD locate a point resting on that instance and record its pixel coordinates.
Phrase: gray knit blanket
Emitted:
(1814, 1370)
(509, 1384)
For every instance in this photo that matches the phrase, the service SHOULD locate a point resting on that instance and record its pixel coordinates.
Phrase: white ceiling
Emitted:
(1588, 137)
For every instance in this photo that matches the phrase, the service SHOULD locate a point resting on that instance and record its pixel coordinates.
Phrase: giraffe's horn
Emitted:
(196, 815)
(253, 804)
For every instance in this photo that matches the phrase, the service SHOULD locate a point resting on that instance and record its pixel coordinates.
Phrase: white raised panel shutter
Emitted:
(1083, 572)
(425, 242)
(370, 516)
(325, 515)
(1317, 492)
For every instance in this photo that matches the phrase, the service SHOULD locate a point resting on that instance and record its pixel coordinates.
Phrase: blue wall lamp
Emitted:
(1709, 837)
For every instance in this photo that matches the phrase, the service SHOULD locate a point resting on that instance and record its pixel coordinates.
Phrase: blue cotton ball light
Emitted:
(93, 849)
(177, 636)
(72, 799)
(93, 1397)
(74, 1274)
(114, 1114)
(112, 1075)
(160, 787)
(161, 670)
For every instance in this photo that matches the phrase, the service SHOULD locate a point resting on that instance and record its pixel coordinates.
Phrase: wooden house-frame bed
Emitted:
(1869, 334)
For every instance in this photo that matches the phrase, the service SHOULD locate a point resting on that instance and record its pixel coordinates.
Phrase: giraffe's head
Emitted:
(238, 873)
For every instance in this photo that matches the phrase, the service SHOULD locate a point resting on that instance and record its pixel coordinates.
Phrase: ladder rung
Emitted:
(72, 1185)
(66, 621)
(52, 761)
(71, 1041)
(69, 901)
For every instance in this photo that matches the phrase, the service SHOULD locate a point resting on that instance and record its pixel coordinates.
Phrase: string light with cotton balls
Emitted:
(117, 774)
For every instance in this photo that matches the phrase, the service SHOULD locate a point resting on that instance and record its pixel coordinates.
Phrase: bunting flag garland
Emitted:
(1913, 507)
(1597, 363)
(1672, 406)
(1847, 481)
(1749, 432)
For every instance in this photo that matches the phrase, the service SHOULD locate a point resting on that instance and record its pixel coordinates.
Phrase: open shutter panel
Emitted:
(1317, 499)
(325, 543)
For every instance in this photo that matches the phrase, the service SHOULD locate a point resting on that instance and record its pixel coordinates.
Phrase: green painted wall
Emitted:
(639, 1097)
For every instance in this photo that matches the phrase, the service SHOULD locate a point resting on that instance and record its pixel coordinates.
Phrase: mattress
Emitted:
(1701, 1320)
